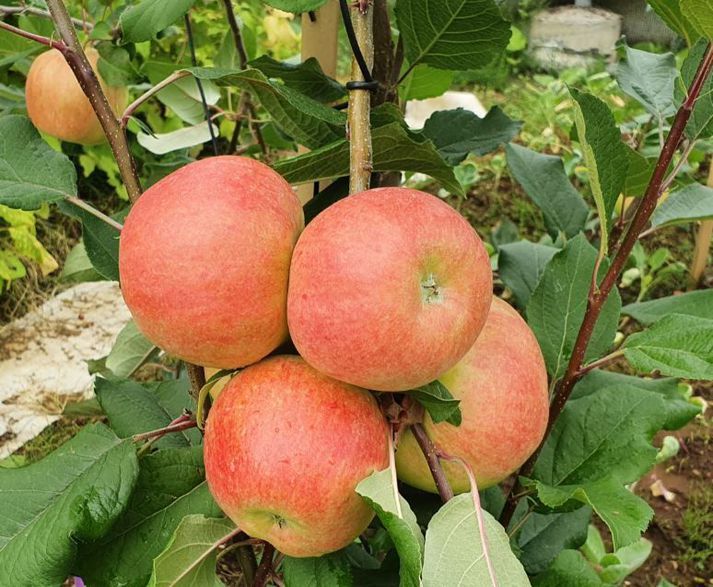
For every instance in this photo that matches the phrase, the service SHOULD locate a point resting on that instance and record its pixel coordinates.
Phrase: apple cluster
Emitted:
(384, 291)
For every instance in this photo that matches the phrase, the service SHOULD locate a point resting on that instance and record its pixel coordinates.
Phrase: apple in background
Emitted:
(57, 105)
(502, 385)
(388, 289)
(285, 448)
(204, 258)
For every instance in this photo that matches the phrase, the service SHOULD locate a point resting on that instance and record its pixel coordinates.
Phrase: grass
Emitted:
(697, 522)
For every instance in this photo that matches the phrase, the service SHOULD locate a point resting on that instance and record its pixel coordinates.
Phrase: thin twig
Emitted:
(32, 36)
(20, 10)
(237, 35)
(79, 203)
(77, 60)
(185, 423)
(596, 299)
(676, 170)
(429, 451)
(194, 61)
(131, 108)
(600, 362)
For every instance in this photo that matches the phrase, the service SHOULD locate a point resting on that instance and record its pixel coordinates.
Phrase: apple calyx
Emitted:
(431, 292)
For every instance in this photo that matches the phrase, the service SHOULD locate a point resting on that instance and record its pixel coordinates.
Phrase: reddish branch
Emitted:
(598, 295)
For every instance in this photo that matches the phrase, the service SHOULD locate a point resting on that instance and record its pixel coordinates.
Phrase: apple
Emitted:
(388, 289)
(57, 105)
(285, 447)
(502, 387)
(204, 258)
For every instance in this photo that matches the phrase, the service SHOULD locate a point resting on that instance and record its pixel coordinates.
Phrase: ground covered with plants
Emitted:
(316, 388)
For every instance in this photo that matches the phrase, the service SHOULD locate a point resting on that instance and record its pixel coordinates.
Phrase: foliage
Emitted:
(132, 515)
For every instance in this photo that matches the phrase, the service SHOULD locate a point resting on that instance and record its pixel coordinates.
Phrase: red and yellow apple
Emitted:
(388, 289)
(204, 258)
(57, 105)
(285, 448)
(502, 387)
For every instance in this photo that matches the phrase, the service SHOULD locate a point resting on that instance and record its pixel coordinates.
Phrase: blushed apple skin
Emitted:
(502, 385)
(57, 105)
(359, 306)
(285, 448)
(204, 258)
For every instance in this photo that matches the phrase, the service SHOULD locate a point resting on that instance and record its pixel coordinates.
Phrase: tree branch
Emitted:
(598, 295)
(196, 375)
(77, 60)
(131, 108)
(265, 568)
(360, 154)
(20, 10)
(32, 36)
(430, 452)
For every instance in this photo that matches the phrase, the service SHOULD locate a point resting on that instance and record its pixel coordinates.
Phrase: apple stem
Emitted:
(359, 125)
(175, 76)
(20, 10)
(599, 293)
(77, 60)
(394, 476)
(434, 464)
(478, 511)
(196, 375)
(79, 203)
(265, 568)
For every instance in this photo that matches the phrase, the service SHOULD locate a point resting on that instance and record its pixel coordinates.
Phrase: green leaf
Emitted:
(556, 308)
(330, 570)
(394, 149)
(701, 121)
(115, 65)
(677, 345)
(591, 463)
(381, 493)
(101, 241)
(14, 48)
(142, 21)
(694, 303)
(689, 204)
(439, 402)
(306, 77)
(452, 34)
(133, 409)
(189, 558)
(521, 266)
(170, 486)
(571, 569)
(649, 78)
(543, 536)
(129, 352)
(77, 266)
(670, 12)
(605, 155)
(638, 175)
(700, 14)
(309, 122)
(296, 6)
(31, 172)
(626, 514)
(457, 133)
(543, 178)
(426, 82)
(73, 495)
(678, 411)
(624, 561)
(454, 549)
(176, 140)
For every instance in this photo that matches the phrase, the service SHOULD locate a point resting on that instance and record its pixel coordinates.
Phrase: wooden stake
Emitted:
(704, 235)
